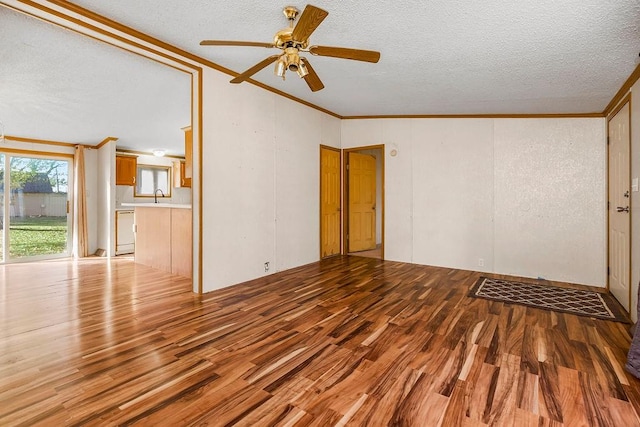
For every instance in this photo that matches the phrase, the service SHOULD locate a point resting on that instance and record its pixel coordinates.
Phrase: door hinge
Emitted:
(608, 271)
(608, 205)
(608, 140)
(347, 237)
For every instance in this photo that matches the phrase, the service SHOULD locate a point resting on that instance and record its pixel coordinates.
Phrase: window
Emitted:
(152, 178)
(34, 206)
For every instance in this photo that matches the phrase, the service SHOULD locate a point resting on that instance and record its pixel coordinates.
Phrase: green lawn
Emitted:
(37, 236)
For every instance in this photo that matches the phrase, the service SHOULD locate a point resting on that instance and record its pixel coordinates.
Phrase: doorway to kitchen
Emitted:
(35, 198)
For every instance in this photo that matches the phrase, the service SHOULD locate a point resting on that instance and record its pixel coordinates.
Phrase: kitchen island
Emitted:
(163, 236)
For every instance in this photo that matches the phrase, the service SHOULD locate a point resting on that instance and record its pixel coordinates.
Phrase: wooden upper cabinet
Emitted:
(126, 169)
(188, 157)
(179, 179)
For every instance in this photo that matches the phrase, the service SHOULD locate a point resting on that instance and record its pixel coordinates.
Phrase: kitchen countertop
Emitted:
(156, 205)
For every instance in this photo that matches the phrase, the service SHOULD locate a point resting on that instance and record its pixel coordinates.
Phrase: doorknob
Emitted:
(621, 209)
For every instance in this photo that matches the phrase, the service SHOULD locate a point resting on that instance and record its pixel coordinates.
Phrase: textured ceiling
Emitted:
(438, 57)
(58, 85)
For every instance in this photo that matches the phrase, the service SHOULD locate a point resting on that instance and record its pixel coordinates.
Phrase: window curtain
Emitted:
(81, 233)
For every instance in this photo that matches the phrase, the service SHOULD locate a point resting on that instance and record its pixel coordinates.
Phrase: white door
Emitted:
(619, 207)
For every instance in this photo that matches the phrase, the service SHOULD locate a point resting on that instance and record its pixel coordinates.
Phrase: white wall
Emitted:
(525, 196)
(550, 199)
(260, 181)
(92, 192)
(106, 197)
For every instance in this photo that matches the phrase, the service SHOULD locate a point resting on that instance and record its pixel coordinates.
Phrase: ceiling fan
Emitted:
(294, 40)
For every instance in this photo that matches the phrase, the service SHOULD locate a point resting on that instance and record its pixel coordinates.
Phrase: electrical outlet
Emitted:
(480, 262)
(266, 266)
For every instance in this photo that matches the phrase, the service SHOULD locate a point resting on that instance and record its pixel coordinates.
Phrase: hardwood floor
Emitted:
(346, 341)
(373, 253)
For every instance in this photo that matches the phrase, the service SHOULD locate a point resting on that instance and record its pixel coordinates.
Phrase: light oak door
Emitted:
(619, 208)
(362, 202)
(329, 202)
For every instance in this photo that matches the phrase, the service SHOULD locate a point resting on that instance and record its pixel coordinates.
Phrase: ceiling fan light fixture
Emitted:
(293, 40)
(293, 59)
(302, 70)
(281, 67)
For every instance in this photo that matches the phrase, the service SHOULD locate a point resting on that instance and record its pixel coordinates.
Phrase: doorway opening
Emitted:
(35, 196)
(363, 190)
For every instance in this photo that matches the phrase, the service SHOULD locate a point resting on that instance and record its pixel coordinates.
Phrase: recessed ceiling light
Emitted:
(159, 153)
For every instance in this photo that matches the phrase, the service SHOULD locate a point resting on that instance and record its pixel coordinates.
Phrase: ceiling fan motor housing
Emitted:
(283, 40)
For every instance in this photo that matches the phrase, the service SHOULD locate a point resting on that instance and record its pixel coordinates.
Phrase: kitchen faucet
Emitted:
(155, 195)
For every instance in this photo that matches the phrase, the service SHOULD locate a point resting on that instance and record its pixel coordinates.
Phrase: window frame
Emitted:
(143, 166)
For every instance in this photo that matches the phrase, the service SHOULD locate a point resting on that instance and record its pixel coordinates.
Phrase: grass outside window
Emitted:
(37, 236)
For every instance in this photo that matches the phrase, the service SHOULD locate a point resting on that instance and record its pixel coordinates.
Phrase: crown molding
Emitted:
(144, 153)
(39, 141)
(626, 87)
(106, 140)
(478, 116)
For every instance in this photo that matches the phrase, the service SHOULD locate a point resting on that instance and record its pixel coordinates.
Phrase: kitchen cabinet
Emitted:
(126, 169)
(181, 250)
(179, 179)
(153, 237)
(188, 156)
(163, 238)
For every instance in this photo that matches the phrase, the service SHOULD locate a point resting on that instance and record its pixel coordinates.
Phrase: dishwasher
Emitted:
(125, 236)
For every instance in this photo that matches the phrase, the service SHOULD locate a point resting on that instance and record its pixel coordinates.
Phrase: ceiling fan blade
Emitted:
(309, 20)
(259, 66)
(346, 53)
(234, 43)
(312, 79)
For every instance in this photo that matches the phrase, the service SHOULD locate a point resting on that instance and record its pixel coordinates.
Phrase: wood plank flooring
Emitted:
(348, 341)
(373, 253)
